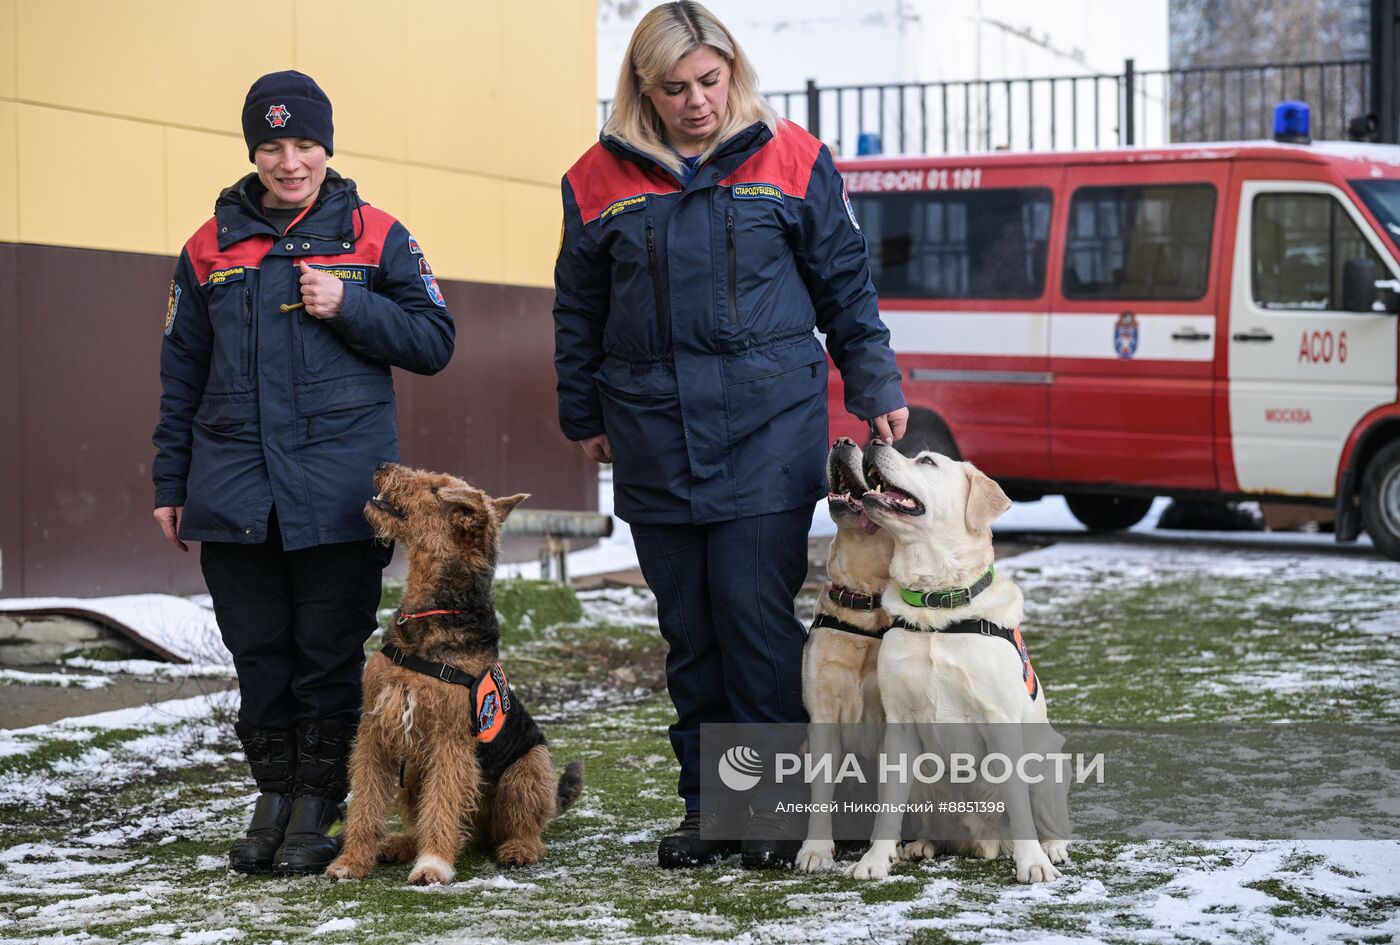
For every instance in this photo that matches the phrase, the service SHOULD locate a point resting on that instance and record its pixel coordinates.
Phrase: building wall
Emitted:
(119, 124)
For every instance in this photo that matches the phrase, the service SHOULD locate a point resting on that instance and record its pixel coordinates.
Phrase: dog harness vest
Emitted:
(852, 600)
(953, 597)
(988, 629)
(833, 623)
(503, 730)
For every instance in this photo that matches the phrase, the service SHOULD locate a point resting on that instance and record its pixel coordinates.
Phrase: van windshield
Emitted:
(1383, 198)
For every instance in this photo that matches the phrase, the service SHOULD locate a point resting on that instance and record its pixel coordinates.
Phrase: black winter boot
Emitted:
(273, 760)
(318, 805)
(701, 839)
(771, 841)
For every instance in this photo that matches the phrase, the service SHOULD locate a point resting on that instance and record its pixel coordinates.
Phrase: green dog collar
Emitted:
(954, 597)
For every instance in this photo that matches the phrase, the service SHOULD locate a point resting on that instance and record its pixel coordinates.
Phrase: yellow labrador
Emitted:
(840, 687)
(954, 654)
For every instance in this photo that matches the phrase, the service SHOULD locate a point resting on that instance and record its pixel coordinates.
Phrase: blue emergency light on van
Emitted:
(868, 143)
(1291, 123)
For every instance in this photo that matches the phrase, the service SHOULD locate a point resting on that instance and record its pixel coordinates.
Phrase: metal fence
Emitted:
(1153, 107)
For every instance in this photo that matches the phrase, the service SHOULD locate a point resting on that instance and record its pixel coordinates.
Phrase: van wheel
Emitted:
(927, 432)
(1108, 513)
(1380, 500)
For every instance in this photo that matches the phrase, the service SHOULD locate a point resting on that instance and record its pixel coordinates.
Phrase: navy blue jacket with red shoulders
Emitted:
(261, 406)
(684, 319)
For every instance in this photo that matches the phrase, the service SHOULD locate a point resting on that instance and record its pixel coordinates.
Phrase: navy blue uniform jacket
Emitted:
(684, 317)
(261, 406)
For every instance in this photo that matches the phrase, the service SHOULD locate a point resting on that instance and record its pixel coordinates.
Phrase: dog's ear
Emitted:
(985, 500)
(461, 497)
(504, 505)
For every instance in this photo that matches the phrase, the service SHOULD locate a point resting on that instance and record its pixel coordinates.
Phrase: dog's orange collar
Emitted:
(404, 618)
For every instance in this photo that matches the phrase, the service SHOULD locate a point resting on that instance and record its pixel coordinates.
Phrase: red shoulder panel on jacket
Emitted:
(600, 179)
(786, 162)
(369, 246)
(206, 256)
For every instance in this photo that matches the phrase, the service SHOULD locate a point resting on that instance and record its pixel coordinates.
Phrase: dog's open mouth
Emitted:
(890, 497)
(847, 486)
(385, 506)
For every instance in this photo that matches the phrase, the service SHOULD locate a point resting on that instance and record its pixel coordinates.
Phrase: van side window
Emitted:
(1299, 247)
(1141, 242)
(976, 244)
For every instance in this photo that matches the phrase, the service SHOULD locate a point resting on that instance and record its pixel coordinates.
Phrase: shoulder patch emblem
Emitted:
(846, 199)
(757, 191)
(425, 272)
(231, 274)
(172, 306)
(277, 116)
(625, 205)
(413, 246)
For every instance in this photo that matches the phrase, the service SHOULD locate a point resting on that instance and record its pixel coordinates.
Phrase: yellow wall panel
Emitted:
(9, 178)
(457, 220)
(455, 85)
(356, 50)
(198, 166)
(531, 225)
(382, 183)
(107, 194)
(552, 128)
(447, 115)
(164, 61)
(9, 11)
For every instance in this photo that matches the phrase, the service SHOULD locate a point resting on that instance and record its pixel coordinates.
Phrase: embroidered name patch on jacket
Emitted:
(625, 205)
(355, 274)
(757, 191)
(231, 274)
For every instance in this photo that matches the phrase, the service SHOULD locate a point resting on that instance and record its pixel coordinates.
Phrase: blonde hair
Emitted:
(665, 36)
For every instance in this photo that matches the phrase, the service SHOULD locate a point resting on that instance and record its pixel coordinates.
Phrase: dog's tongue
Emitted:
(866, 525)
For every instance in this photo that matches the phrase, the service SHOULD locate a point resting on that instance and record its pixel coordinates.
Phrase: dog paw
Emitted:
(520, 852)
(430, 871)
(874, 865)
(916, 850)
(398, 848)
(1036, 871)
(815, 855)
(345, 868)
(1056, 850)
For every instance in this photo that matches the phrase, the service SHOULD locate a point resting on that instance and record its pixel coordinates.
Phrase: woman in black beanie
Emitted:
(288, 308)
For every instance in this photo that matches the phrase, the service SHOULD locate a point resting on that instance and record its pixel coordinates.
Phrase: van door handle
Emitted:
(1190, 334)
(1257, 334)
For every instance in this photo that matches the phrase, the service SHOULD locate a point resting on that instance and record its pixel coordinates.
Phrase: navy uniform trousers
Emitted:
(724, 597)
(296, 623)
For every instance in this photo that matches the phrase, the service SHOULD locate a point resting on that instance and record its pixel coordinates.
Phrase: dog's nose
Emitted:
(382, 466)
(845, 441)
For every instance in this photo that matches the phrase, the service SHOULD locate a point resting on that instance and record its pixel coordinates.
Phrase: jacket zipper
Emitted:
(733, 301)
(247, 332)
(662, 314)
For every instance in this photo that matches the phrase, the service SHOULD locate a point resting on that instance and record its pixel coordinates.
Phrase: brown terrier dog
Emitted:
(438, 715)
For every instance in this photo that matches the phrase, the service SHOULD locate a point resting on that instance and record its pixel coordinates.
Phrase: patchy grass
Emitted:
(120, 835)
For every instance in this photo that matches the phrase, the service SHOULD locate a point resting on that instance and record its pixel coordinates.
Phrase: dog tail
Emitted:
(570, 787)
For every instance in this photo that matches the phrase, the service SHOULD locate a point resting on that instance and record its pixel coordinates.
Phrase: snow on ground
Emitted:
(173, 624)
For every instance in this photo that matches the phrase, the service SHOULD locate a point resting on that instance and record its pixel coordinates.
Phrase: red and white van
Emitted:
(1209, 321)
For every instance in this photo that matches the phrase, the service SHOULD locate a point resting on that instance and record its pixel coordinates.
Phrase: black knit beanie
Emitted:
(287, 105)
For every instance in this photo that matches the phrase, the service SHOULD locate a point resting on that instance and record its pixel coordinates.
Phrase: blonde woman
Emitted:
(704, 239)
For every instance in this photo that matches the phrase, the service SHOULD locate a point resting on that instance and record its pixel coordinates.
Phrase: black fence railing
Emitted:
(1152, 107)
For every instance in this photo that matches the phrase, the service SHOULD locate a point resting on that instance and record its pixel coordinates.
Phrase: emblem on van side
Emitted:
(1125, 335)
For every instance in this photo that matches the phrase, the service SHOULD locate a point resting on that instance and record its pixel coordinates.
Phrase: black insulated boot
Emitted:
(317, 814)
(701, 839)
(273, 760)
(771, 841)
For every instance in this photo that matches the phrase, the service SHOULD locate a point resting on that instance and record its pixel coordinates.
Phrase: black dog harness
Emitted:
(503, 730)
(988, 629)
(832, 623)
